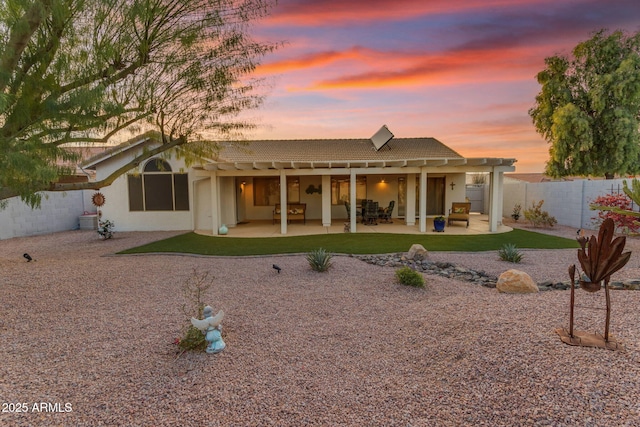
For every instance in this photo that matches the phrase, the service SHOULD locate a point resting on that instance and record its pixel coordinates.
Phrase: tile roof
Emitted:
(321, 153)
(328, 150)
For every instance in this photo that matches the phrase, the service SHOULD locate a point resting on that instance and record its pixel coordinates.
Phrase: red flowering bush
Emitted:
(620, 202)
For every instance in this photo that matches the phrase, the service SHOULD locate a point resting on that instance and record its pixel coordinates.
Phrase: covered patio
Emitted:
(478, 224)
(317, 179)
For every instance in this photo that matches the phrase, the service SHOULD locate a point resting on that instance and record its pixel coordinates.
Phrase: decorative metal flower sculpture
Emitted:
(599, 258)
(602, 256)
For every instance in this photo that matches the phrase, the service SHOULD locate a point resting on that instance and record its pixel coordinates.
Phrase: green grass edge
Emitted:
(347, 243)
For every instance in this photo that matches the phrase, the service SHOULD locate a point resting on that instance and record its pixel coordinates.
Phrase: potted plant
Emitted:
(438, 223)
(516, 212)
(105, 229)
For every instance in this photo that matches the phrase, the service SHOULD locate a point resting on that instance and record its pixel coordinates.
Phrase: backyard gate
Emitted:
(475, 194)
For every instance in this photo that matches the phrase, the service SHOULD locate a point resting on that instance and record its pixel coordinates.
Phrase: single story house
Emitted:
(315, 177)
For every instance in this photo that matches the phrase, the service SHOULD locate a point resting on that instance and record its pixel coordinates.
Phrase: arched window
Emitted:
(157, 188)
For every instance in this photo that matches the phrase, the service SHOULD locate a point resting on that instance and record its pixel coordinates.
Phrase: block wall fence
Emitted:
(567, 201)
(60, 211)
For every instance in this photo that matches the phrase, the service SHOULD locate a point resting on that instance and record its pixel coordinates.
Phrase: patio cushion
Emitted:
(459, 212)
(295, 212)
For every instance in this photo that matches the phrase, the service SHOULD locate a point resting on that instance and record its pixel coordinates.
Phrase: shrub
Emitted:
(193, 291)
(409, 277)
(319, 259)
(516, 212)
(538, 217)
(479, 178)
(509, 252)
(624, 223)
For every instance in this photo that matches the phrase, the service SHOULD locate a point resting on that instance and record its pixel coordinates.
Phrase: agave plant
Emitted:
(319, 259)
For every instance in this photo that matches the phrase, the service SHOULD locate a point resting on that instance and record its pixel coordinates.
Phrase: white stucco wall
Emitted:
(59, 211)
(116, 207)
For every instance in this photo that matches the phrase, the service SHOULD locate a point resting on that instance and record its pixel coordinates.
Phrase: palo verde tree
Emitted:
(588, 108)
(93, 71)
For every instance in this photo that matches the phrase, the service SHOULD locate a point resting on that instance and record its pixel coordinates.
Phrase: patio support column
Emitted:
(283, 202)
(352, 198)
(423, 199)
(215, 204)
(326, 200)
(410, 213)
(495, 200)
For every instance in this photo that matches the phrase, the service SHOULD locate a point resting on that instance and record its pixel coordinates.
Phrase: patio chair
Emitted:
(385, 215)
(347, 206)
(459, 212)
(363, 205)
(371, 213)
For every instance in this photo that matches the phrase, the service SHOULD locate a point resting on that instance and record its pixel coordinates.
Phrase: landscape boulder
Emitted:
(516, 282)
(417, 253)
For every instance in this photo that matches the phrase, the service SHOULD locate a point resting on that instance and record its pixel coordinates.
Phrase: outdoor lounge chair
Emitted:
(459, 212)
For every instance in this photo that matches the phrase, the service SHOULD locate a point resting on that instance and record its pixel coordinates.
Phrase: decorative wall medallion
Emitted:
(98, 199)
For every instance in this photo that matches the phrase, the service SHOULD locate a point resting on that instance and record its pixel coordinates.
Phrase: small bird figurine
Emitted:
(275, 267)
(28, 257)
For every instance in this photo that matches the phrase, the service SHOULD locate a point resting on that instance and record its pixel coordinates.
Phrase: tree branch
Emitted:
(19, 39)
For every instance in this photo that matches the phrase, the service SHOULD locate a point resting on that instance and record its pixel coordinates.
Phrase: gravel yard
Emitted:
(87, 339)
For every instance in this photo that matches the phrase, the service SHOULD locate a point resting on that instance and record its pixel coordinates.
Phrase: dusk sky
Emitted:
(461, 71)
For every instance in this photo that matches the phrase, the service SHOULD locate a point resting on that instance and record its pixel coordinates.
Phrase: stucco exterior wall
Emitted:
(116, 207)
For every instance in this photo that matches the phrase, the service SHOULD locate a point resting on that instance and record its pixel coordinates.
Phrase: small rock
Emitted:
(417, 252)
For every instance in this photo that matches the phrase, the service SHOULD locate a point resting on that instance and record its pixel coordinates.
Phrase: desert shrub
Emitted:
(479, 178)
(409, 277)
(516, 212)
(193, 291)
(192, 339)
(319, 259)
(538, 217)
(623, 223)
(509, 252)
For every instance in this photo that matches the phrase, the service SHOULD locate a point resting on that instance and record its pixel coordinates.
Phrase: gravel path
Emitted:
(87, 340)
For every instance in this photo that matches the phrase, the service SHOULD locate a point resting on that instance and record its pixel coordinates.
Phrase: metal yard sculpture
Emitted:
(599, 259)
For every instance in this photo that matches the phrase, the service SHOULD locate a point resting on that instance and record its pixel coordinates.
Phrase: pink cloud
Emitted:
(322, 12)
(412, 68)
(442, 69)
(310, 60)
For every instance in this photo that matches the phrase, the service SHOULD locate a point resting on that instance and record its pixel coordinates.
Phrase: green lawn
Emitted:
(361, 243)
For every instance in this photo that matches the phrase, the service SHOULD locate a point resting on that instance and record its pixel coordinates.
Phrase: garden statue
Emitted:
(211, 327)
(599, 259)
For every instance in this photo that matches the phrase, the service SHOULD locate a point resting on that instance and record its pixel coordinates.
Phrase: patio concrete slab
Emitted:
(479, 224)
